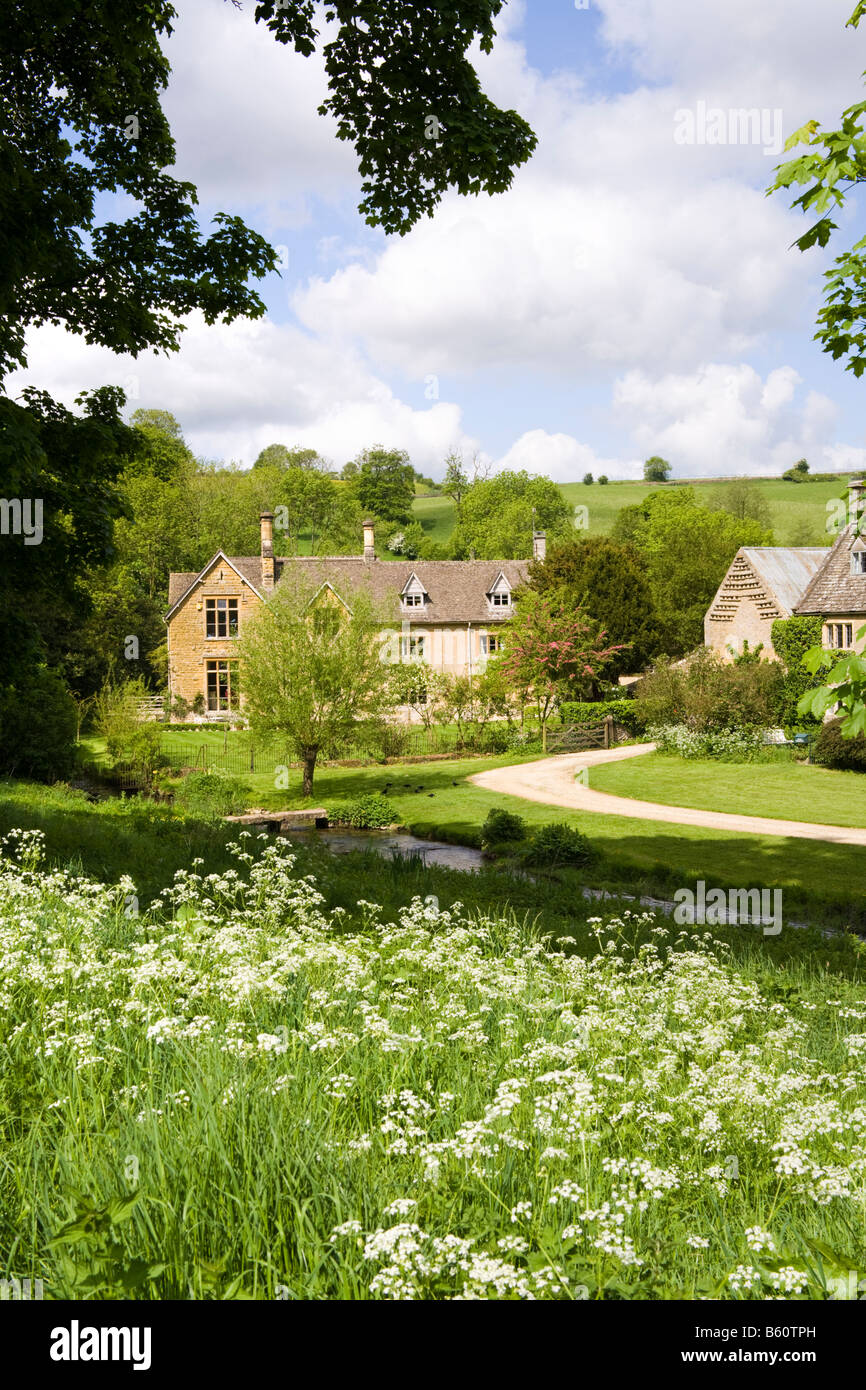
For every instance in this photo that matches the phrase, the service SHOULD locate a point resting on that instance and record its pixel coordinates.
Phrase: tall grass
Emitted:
(244, 1091)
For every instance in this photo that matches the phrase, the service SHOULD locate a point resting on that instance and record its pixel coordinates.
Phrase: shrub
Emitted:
(523, 740)
(710, 693)
(831, 749)
(558, 846)
(385, 740)
(211, 794)
(371, 812)
(501, 828)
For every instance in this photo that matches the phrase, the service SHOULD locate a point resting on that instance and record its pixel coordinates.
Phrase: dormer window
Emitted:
(414, 594)
(499, 597)
(858, 556)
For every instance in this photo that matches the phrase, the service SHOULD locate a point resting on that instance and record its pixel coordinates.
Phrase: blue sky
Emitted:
(631, 294)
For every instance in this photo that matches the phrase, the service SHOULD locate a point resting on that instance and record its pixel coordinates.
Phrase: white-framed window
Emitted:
(840, 636)
(413, 600)
(412, 648)
(492, 643)
(500, 600)
(858, 561)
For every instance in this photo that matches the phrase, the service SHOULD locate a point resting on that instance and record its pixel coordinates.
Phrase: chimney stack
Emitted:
(855, 501)
(267, 524)
(539, 545)
(369, 540)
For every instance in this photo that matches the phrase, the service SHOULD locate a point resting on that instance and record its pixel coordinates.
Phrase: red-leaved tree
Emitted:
(553, 651)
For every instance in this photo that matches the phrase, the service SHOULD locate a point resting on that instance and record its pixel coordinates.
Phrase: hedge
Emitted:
(624, 712)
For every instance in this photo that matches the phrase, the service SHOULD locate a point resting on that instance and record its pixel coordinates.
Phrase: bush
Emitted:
(831, 749)
(371, 813)
(726, 745)
(211, 795)
(710, 693)
(558, 846)
(523, 741)
(501, 828)
(385, 740)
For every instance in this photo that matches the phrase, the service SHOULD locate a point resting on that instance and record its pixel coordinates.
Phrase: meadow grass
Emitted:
(248, 1092)
(787, 790)
(792, 505)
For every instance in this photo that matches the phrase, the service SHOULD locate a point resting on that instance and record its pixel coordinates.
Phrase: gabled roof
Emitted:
(457, 589)
(179, 585)
(786, 570)
(835, 589)
(413, 585)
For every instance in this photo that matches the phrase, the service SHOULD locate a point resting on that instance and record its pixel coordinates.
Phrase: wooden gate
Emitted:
(580, 738)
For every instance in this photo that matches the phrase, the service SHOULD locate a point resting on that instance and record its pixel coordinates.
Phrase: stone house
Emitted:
(448, 613)
(769, 582)
(762, 584)
(837, 594)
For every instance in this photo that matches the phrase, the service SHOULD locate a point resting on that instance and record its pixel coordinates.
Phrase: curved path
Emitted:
(552, 782)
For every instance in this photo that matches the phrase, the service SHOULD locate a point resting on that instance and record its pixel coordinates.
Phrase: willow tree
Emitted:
(312, 668)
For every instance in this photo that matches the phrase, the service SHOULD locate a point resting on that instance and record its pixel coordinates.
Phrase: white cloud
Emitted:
(725, 420)
(243, 111)
(237, 387)
(563, 458)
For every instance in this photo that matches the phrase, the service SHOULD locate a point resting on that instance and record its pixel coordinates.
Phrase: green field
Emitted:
(437, 515)
(787, 791)
(793, 506)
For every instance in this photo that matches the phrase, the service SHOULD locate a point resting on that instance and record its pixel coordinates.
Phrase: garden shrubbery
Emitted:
(371, 812)
(550, 846)
(501, 828)
(558, 846)
(624, 712)
(845, 754)
(709, 693)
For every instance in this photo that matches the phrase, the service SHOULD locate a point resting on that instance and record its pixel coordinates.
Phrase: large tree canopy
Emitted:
(608, 581)
(81, 83)
(686, 549)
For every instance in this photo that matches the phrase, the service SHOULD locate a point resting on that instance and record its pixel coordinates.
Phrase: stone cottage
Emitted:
(763, 583)
(837, 593)
(769, 582)
(448, 613)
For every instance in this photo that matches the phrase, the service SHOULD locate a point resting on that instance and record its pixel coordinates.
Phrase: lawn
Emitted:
(785, 791)
(435, 799)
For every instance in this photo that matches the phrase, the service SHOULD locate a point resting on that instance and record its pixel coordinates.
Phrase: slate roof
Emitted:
(835, 589)
(786, 570)
(457, 589)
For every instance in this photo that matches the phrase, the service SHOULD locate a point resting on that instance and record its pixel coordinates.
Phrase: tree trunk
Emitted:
(310, 755)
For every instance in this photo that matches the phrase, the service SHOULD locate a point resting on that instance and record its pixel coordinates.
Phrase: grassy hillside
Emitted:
(793, 506)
